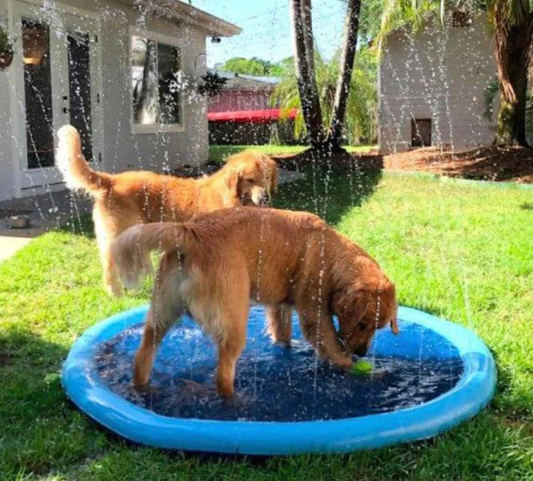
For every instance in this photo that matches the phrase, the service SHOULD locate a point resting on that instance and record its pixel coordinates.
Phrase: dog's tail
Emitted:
(131, 250)
(74, 166)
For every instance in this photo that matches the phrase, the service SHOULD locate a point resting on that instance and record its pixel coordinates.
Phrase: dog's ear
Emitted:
(360, 305)
(351, 305)
(273, 187)
(233, 178)
(271, 166)
(269, 171)
(390, 304)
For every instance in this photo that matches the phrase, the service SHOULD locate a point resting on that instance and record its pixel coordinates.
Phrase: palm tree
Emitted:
(323, 137)
(360, 125)
(492, 92)
(511, 22)
(305, 69)
(342, 91)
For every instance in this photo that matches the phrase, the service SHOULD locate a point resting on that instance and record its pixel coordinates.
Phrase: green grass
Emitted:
(458, 251)
(217, 153)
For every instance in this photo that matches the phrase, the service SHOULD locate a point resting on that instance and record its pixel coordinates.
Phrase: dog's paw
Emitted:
(284, 344)
(145, 388)
(196, 387)
(114, 290)
(239, 401)
(344, 363)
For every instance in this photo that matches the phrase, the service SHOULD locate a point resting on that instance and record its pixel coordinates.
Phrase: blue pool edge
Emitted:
(471, 394)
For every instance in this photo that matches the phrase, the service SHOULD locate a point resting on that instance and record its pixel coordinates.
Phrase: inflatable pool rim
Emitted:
(471, 394)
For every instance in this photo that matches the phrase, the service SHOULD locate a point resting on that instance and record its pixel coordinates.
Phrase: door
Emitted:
(83, 99)
(57, 83)
(420, 132)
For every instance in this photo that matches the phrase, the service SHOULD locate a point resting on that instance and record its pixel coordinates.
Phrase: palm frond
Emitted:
(362, 102)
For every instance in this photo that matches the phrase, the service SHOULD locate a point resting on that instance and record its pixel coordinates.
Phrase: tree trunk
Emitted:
(305, 70)
(314, 99)
(349, 48)
(512, 115)
(512, 50)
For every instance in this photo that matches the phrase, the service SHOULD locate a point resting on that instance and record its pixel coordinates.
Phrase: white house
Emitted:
(124, 72)
(432, 85)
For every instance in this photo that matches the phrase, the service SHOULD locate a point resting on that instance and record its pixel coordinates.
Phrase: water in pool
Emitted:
(278, 384)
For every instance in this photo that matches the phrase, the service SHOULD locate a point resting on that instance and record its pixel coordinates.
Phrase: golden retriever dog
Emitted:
(141, 197)
(214, 265)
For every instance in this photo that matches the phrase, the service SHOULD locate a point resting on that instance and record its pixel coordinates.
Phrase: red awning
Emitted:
(250, 116)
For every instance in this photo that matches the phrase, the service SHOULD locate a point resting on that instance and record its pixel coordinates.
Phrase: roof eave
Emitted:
(189, 15)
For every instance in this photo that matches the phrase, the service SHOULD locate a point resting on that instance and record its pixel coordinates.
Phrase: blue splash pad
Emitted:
(274, 383)
(432, 376)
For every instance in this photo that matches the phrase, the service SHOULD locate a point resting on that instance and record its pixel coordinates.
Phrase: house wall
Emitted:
(6, 169)
(439, 74)
(122, 149)
(6, 166)
(234, 100)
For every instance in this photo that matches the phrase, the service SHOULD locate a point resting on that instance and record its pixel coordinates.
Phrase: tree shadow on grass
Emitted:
(80, 226)
(327, 193)
(324, 191)
(32, 414)
(333, 183)
(28, 349)
(43, 431)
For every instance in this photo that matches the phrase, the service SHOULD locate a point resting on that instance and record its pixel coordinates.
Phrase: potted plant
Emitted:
(6, 49)
(212, 85)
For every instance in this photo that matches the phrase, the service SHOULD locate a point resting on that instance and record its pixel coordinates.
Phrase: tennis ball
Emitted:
(361, 368)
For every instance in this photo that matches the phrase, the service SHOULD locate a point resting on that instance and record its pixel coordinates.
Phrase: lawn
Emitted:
(459, 251)
(217, 153)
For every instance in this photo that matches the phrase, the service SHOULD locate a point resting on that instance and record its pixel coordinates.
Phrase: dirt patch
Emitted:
(338, 161)
(499, 164)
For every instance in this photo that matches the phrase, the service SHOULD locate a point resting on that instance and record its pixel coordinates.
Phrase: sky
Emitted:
(267, 30)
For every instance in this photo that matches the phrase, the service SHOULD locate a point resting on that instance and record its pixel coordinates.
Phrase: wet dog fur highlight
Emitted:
(141, 197)
(216, 264)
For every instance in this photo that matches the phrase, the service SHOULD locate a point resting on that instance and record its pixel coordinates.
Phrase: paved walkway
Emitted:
(47, 212)
(10, 245)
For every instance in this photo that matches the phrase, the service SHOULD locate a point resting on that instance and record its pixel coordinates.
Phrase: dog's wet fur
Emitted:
(141, 197)
(214, 265)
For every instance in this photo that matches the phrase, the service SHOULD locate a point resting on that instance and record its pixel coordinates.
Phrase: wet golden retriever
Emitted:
(141, 197)
(215, 264)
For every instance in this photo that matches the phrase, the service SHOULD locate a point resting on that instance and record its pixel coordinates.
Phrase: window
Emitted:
(420, 132)
(38, 94)
(155, 71)
(461, 19)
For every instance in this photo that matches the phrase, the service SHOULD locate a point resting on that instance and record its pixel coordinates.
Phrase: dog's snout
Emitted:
(264, 200)
(361, 351)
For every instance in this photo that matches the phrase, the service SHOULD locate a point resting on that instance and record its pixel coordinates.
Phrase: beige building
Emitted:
(124, 72)
(432, 85)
